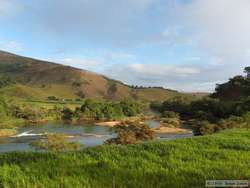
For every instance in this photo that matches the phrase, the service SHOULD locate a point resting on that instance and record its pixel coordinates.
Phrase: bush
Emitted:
(206, 128)
(171, 122)
(57, 143)
(81, 94)
(131, 132)
(6, 81)
(67, 114)
(170, 114)
(52, 98)
(232, 122)
(178, 104)
(92, 109)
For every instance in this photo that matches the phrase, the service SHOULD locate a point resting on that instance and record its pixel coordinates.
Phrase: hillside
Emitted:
(36, 79)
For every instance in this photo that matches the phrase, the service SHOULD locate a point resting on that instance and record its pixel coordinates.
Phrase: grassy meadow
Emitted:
(180, 163)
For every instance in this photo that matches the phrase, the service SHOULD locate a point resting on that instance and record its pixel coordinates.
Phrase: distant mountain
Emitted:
(40, 79)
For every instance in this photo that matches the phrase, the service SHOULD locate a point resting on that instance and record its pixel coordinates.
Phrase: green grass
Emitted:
(181, 163)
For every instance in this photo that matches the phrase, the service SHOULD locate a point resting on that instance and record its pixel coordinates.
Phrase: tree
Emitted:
(247, 71)
(80, 94)
(53, 98)
(67, 114)
(131, 132)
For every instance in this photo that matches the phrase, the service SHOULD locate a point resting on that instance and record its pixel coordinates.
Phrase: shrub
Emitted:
(6, 81)
(57, 143)
(206, 128)
(232, 122)
(131, 132)
(171, 122)
(52, 98)
(67, 114)
(92, 109)
(81, 94)
(170, 114)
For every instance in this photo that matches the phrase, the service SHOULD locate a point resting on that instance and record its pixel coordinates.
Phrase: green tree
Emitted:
(67, 114)
(247, 71)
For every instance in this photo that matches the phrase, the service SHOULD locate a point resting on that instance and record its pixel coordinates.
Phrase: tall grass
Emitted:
(181, 163)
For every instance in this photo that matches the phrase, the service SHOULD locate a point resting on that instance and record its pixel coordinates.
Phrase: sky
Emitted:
(187, 45)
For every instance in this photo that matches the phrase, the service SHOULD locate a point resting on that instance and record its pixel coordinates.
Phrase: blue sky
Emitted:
(188, 45)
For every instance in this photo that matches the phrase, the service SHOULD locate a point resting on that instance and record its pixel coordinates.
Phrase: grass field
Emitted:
(180, 163)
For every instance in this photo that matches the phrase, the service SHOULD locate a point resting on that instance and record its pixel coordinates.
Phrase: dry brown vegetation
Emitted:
(40, 79)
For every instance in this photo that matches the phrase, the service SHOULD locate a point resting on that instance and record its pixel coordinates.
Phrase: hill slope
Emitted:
(38, 79)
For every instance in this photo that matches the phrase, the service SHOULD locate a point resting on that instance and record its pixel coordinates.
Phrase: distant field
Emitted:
(51, 104)
(181, 163)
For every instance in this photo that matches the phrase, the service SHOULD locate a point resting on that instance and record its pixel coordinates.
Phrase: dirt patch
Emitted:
(7, 132)
(108, 123)
(171, 130)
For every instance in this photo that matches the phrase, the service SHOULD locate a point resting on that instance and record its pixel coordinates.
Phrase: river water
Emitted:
(89, 135)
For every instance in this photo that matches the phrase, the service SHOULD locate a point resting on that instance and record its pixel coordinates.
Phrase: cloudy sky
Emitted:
(188, 45)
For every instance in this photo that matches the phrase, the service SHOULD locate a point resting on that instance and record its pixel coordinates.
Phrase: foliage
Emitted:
(180, 163)
(131, 132)
(67, 114)
(236, 88)
(112, 89)
(92, 109)
(206, 128)
(247, 71)
(226, 108)
(170, 122)
(6, 81)
(81, 94)
(15, 67)
(57, 143)
(170, 114)
(53, 98)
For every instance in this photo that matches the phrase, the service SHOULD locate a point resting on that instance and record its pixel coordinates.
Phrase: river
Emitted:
(88, 135)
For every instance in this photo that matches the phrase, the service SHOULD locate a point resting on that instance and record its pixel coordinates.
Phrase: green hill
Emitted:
(36, 79)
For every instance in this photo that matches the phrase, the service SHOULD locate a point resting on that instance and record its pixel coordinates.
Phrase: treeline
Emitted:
(10, 68)
(216, 112)
(235, 89)
(97, 110)
(89, 110)
(150, 87)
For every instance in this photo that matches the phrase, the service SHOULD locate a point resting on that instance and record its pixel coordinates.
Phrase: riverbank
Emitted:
(159, 130)
(7, 132)
(108, 123)
(180, 163)
(166, 130)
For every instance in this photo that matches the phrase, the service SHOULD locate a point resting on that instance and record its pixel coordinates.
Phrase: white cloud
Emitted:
(112, 21)
(215, 32)
(183, 77)
(11, 46)
(223, 25)
(81, 63)
(162, 69)
(8, 7)
(117, 56)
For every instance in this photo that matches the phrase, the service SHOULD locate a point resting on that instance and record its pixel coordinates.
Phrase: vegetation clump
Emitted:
(53, 98)
(57, 143)
(131, 133)
(6, 81)
(108, 110)
(228, 107)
